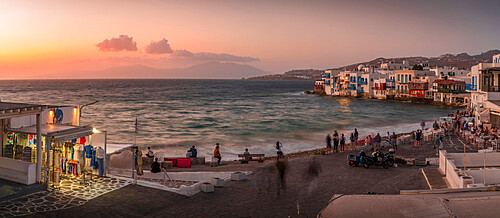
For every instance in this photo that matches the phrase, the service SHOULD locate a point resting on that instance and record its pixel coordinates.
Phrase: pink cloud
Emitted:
(159, 47)
(123, 42)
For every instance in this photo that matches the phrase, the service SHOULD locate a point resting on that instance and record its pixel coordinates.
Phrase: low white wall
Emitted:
(476, 159)
(442, 161)
(455, 177)
(492, 176)
(17, 171)
(190, 176)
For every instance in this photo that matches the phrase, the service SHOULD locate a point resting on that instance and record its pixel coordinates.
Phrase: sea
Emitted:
(173, 115)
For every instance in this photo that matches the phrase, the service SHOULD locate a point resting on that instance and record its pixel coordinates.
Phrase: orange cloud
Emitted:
(159, 47)
(123, 42)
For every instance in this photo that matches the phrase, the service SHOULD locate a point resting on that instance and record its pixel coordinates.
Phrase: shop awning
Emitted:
(10, 109)
(58, 131)
(485, 115)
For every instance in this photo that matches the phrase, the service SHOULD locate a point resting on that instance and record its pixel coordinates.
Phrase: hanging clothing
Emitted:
(93, 160)
(87, 151)
(139, 163)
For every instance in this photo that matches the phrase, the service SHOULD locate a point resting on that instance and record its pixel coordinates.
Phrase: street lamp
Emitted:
(80, 110)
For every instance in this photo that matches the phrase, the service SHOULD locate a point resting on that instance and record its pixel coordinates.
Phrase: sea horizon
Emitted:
(174, 114)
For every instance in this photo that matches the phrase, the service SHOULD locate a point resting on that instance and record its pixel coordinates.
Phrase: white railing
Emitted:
(165, 175)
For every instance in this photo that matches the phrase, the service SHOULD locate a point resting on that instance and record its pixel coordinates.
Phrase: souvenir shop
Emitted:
(72, 153)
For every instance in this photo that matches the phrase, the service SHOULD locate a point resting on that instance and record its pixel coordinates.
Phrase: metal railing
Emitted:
(165, 176)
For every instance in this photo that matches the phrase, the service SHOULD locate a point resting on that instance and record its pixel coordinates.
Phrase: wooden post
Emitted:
(464, 159)
(484, 163)
(39, 145)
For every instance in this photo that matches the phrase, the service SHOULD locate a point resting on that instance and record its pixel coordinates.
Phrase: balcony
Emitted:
(362, 81)
(390, 80)
(360, 90)
(379, 87)
(470, 87)
(352, 87)
(449, 91)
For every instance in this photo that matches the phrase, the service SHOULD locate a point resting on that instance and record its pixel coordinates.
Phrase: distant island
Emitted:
(461, 61)
(306, 74)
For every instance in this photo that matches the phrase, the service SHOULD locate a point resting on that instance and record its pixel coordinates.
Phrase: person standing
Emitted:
(313, 172)
(437, 143)
(369, 141)
(217, 153)
(378, 140)
(422, 124)
(328, 144)
(394, 139)
(418, 135)
(435, 125)
(342, 142)
(279, 146)
(281, 166)
(353, 141)
(356, 135)
(335, 141)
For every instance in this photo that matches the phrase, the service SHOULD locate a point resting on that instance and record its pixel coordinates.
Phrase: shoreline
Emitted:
(398, 99)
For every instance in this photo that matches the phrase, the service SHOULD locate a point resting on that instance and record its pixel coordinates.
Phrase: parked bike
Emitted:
(377, 159)
(355, 160)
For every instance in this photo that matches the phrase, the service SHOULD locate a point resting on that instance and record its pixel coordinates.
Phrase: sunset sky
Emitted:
(43, 37)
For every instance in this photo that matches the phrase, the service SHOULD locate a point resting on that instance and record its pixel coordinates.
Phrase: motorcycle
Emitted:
(390, 157)
(376, 160)
(355, 160)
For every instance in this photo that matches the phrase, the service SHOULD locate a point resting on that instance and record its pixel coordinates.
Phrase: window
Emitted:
(409, 77)
(399, 77)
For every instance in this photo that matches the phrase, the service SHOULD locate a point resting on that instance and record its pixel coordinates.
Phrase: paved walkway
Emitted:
(472, 204)
(70, 194)
(436, 179)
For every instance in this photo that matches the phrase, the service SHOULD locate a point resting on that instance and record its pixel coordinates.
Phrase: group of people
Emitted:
(339, 142)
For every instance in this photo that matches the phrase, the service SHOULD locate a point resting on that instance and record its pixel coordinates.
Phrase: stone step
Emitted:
(420, 161)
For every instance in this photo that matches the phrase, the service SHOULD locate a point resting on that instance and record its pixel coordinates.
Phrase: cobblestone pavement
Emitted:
(71, 193)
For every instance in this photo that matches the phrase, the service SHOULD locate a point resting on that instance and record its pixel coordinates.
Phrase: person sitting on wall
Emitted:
(155, 166)
(193, 151)
(150, 153)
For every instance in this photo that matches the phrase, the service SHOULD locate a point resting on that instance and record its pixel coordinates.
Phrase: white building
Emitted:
(404, 77)
(449, 72)
(485, 101)
(330, 80)
(395, 66)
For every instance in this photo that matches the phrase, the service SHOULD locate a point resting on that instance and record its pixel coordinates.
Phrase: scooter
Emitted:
(377, 160)
(355, 160)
